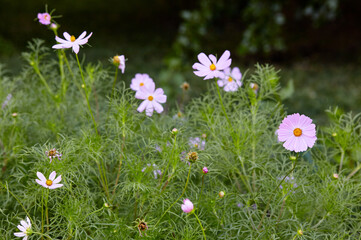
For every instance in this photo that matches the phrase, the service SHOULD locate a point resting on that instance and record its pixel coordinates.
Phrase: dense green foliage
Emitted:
(109, 186)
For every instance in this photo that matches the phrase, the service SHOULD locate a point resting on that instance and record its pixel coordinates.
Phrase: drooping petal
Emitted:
(60, 40)
(142, 106)
(21, 228)
(158, 107)
(62, 45)
(76, 48)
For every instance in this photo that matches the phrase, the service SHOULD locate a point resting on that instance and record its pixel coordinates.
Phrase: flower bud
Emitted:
(192, 157)
(106, 205)
(174, 131)
(300, 232)
(205, 170)
(187, 206)
(204, 135)
(334, 134)
(293, 158)
(54, 26)
(335, 176)
(221, 194)
(14, 114)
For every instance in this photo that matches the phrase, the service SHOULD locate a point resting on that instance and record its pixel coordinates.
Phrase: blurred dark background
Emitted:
(316, 43)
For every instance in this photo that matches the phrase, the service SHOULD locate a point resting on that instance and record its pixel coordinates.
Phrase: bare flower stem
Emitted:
(200, 224)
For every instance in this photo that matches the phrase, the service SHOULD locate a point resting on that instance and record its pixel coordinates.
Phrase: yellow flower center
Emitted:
(196, 145)
(150, 98)
(52, 153)
(115, 58)
(142, 84)
(212, 67)
(46, 17)
(49, 182)
(230, 79)
(297, 132)
(72, 38)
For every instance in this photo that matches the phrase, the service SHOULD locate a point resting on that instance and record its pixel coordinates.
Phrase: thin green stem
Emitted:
(223, 108)
(43, 80)
(341, 161)
(46, 209)
(354, 172)
(200, 224)
(166, 168)
(42, 212)
(202, 186)
(86, 95)
(185, 187)
(273, 194)
(12, 194)
(115, 80)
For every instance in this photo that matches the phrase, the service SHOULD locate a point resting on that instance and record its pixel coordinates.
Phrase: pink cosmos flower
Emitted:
(197, 143)
(187, 206)
(231, 80)
(152, 98)
(50, 183)
(298, 132)
(210, 67)
(71, 41)
(120, 62)
(25, 229)
(205, 170)
(44, 18)
(141, 80)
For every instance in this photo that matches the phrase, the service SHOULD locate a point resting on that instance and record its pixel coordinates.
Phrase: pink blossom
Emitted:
(210, 67)
(298, 132)
(187, 206)
(152, 98)
(231, 80)
(205, 170)
(44, 18)
(50, 183)
(141, 80)
(71, 41)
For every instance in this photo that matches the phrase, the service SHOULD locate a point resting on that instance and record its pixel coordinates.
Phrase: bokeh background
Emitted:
(315, 43)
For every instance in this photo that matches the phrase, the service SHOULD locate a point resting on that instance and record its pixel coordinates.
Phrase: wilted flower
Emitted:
(152, 98)
(53, 153)
(142, 227)
(71, 41)
(221, 194)
(205, 170)
(192, 157)
(7, 100)
(187, 206)
(197, 143)
(231, 80)
(210, 67)
(50, 183)
(25, 229)
(298, 132)
(254, 87)
(156, 171)
(140, 81)
(119, 61)
(44, 18)
(185, 86)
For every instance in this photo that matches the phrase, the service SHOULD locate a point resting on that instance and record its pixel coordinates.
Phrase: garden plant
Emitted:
(86, 154)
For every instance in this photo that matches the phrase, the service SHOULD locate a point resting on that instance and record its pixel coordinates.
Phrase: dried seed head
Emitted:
(185, 86)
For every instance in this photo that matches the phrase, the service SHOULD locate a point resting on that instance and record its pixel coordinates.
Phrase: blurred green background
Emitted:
(315, 43)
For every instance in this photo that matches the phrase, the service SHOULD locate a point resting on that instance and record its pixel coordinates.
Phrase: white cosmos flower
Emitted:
(71, 41)
(141, 80)
(25, 229)
(50, 183)
(152, 98)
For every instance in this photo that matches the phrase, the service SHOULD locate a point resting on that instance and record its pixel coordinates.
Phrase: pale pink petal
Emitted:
(67, 36)
(20, 234)
(141, 95)
(149, 109)
(210, 75)
(310, 141)
(25, 224)
(28, 220)
(201, 73)
(236, 73)
(284, 134)
(158, 107)
(161, 98)
(158, 91)
(204, 59)
(25, 238)
(55, 186)
(76, 48)
(41, 176)
(227, 72)
(142, 106)
(57, 180)
(62, 45)
(300, 145)
(220, 83)
(82, 35)
(22, 228)
(213, 59)
(52, 175)
(200, 67)
(290, 143)
(60, 40)
(150, 87)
